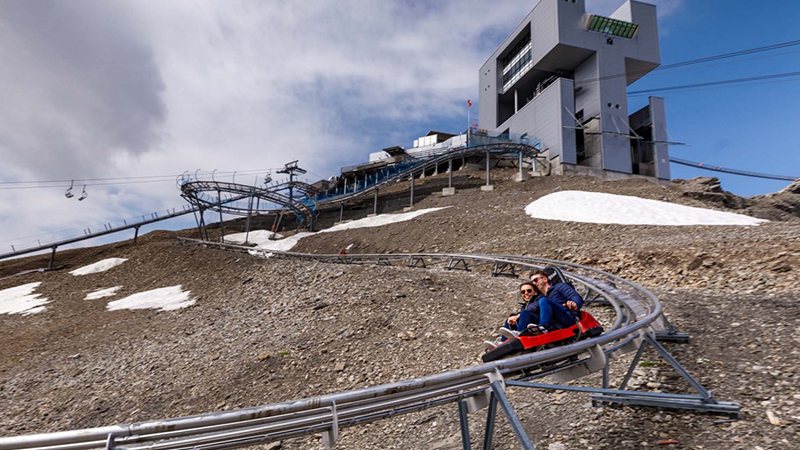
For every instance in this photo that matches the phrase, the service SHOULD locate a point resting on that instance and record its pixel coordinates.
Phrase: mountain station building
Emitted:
(560, 78)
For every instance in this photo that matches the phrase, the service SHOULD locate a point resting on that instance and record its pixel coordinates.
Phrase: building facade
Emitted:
(561, 78)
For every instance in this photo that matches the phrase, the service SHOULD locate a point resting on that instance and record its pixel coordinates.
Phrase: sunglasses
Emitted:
(525, 291)
(536, 280)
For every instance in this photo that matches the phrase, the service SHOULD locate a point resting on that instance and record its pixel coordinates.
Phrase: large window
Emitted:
(613, 27)
(519, 48)
(517, 67)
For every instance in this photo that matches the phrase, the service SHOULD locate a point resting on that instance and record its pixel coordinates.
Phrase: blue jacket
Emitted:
(562, 293)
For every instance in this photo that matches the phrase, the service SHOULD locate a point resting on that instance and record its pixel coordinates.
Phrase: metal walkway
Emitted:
(88, 234)
(637, 324)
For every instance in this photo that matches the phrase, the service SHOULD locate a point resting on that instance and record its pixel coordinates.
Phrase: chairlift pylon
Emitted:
(69, 193)
(83, 194)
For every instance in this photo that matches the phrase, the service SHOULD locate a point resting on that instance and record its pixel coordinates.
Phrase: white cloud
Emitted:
(97, 89)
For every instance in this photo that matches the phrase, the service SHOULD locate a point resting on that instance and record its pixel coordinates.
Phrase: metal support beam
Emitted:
(513, 420)
(341, 211)
(221, 223)
(202, 226)
(375, 203)
(412, 189)
(464, 421)
(634, 363)
(487, 168)
(247, 223)
(654, 399)
(135, 235)
(490, 415)
(52, 262)
(706, 395)
(520, 165)
(277, 224)
(450, 172)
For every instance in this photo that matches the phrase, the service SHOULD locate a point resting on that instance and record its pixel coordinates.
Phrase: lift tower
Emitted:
(293, 170)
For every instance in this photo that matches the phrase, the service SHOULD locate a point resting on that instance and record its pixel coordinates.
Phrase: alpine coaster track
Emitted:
(639, 323)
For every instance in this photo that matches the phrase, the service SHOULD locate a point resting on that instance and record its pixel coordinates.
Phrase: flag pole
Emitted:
(469, 120)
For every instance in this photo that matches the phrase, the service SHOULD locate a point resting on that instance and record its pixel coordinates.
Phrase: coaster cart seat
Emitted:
(587, 327)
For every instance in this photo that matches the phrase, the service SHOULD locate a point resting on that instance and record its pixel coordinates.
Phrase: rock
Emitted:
(262, 356)
(556, 446)
(773, 419)
(339, 367)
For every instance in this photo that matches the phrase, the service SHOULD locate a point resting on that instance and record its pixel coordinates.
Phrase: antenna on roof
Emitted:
(69, 193)
(83, 194)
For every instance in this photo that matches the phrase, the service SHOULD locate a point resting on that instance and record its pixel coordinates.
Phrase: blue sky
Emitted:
(749, 127)
(96, 89)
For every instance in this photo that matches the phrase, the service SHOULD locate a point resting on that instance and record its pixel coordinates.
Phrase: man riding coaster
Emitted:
(556, 305)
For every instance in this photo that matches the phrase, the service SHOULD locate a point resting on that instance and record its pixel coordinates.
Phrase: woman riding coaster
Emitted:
(549, 305)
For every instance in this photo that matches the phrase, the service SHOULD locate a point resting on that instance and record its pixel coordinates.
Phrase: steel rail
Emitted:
(636, 308)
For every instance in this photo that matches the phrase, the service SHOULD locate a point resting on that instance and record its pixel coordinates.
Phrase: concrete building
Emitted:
(561, 78)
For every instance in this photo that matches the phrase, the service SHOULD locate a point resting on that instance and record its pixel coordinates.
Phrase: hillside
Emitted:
(266, 330)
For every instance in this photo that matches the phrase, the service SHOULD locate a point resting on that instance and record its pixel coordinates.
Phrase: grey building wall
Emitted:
(548, 118)
(660, 149)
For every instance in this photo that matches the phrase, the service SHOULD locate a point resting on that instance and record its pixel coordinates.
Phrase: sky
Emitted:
(108, 89)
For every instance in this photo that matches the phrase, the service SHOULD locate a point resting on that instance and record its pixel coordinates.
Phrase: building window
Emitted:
(517, 67)
(519, 48)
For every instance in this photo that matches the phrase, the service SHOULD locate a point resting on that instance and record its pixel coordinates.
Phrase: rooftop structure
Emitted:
(561, 77)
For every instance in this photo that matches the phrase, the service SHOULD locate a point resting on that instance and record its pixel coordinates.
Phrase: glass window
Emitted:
(613, 27)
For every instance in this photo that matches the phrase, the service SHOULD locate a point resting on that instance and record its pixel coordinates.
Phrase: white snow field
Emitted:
(22, 300)
(261, 237)
(163, 299)
(102, 293)
(596, 207)
(99, 266)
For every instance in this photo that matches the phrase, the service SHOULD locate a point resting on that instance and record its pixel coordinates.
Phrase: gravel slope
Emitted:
(267, 330)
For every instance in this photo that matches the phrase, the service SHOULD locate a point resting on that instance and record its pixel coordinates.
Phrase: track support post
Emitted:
(464, 421)
(513, 420)
(52, 262)
(412, 190)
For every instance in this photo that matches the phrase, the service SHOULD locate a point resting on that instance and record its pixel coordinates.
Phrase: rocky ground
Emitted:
(270, 330)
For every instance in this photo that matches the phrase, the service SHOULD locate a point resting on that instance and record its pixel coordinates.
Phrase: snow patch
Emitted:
(596, 207)
(99, 266)
(380, 220)
(102, 293)
(262, 241)
(164, 299)
(22, 300)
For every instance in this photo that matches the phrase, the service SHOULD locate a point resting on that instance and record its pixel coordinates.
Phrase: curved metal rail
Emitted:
(638, 312)
(195, 192)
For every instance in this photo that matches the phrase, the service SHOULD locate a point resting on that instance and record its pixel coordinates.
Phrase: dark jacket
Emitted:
(532, 306)
(562, 293)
